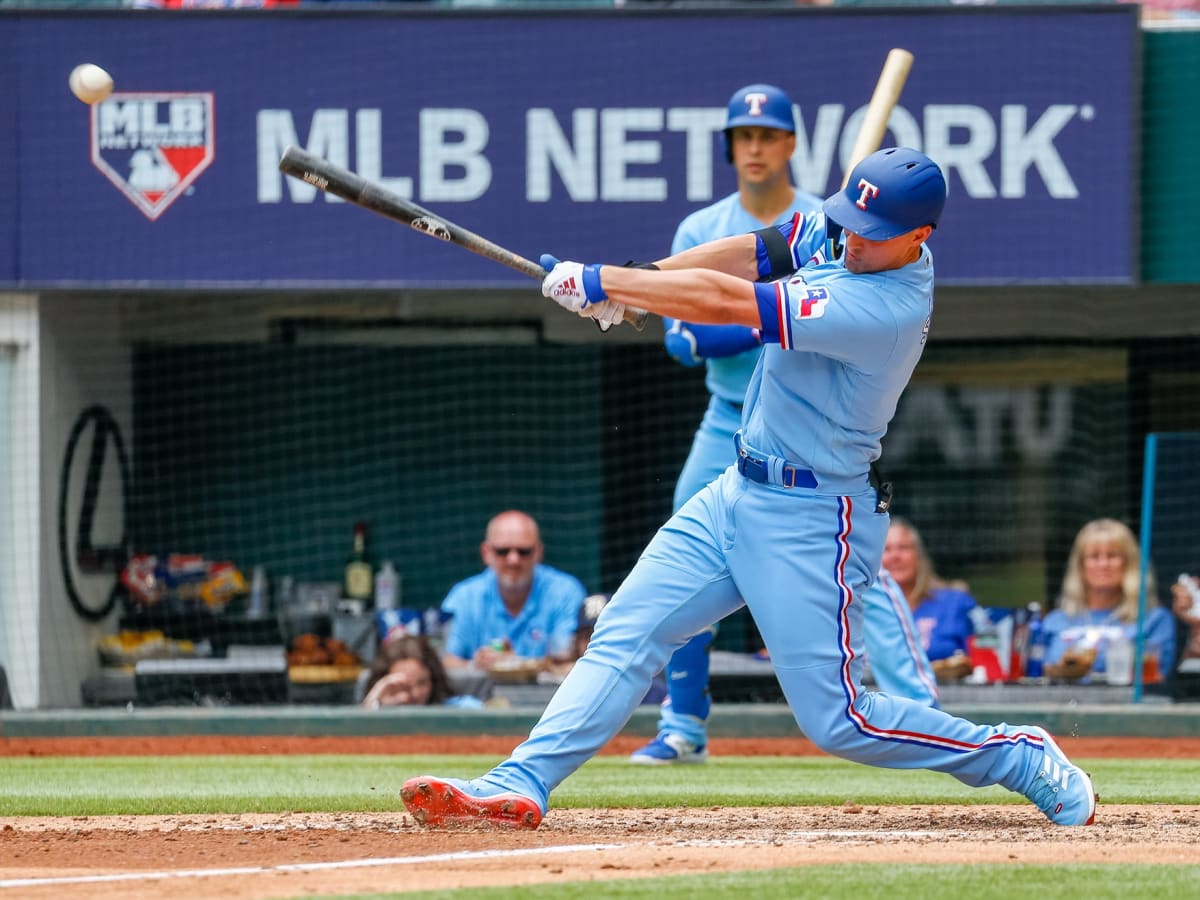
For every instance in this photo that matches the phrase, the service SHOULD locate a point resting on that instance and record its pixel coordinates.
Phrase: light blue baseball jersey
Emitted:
(480, 618)
(852, 343)
(727, 376)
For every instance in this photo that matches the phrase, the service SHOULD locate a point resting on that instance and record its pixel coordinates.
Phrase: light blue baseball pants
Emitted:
(797, 557)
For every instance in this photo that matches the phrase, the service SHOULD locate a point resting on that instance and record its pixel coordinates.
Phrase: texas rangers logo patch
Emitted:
(153, 146)
(811, 304)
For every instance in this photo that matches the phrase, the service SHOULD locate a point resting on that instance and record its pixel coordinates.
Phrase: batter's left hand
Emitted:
(606, 314)
(574, 286)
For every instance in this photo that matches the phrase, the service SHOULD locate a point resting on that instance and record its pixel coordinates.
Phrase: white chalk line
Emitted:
(463, 855)
(303, 867)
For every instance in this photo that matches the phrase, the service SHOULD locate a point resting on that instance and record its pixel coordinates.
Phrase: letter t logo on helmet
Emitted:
(868, 191)
(758, 106)
(754, 103)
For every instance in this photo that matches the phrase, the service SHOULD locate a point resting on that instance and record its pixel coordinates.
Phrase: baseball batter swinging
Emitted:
(760, 138)
(792, 528)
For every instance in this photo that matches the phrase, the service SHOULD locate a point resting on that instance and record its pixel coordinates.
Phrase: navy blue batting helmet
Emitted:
(762, 105)
(889, 193)
(590, 611)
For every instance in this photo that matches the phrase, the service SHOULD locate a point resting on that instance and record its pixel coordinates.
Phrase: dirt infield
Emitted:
(253, 857)
(1090, 747)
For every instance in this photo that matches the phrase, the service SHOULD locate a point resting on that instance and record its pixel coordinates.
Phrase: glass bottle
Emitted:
(360, 574)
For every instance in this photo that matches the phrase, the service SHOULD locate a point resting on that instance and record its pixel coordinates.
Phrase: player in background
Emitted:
(894, 653)
(760, 138)
(795, 530)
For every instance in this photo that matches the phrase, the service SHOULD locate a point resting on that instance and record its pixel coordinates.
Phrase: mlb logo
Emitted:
(153, 146)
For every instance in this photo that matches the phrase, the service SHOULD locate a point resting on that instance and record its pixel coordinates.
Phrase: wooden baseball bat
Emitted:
(333, 179)
(886, 96)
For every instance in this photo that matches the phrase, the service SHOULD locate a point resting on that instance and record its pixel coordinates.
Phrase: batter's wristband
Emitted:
(779, 254)
(591, 285)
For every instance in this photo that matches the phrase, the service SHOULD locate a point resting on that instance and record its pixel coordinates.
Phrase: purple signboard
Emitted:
(588, 134)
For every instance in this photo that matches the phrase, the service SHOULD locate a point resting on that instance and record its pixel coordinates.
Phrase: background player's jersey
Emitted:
(853, 341)
(727, 376)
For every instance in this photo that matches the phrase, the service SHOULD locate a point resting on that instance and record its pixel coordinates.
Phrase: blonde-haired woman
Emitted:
(1100, 595)
(945, 613)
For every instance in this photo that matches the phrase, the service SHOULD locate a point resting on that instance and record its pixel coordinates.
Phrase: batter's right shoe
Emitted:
(668, 749)
(1061, 790)
(449, 801)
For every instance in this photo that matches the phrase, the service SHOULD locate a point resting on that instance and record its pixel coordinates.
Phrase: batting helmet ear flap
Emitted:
(762, 105)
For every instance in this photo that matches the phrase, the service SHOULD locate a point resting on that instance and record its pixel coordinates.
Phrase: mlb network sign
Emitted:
(153, 146)
(601, 161)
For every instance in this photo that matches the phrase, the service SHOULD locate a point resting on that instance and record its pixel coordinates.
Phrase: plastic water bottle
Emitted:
(257, 607)
(386, 586)
(1118, 659)
(1036, 646)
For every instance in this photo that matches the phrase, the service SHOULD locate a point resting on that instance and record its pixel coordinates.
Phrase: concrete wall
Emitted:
(20, 516)
(83, 359)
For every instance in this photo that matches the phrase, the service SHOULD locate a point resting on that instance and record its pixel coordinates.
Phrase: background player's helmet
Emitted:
(763, 105)
(889, 193)
(590, 611)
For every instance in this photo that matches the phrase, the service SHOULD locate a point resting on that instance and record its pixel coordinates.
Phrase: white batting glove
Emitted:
(606, 314)
(574, 286)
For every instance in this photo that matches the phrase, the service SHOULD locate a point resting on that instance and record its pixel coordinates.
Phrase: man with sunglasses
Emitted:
(517, 606)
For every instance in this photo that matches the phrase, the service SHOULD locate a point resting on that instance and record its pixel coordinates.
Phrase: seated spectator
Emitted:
(407, 672)
(1187, 611)
(517, 607)
(1100, 598)
(946, 615)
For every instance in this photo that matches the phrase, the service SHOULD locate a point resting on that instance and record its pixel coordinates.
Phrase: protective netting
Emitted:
(1170, 541)
(241, 430)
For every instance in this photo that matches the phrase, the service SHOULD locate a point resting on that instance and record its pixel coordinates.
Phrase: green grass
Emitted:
(79, 786)
(75, 786)
(864, 882)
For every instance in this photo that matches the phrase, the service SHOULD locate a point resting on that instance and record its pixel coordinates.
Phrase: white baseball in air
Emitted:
(90, 83)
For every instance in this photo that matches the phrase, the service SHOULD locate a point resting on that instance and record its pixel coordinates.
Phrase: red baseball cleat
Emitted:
(436, 801)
